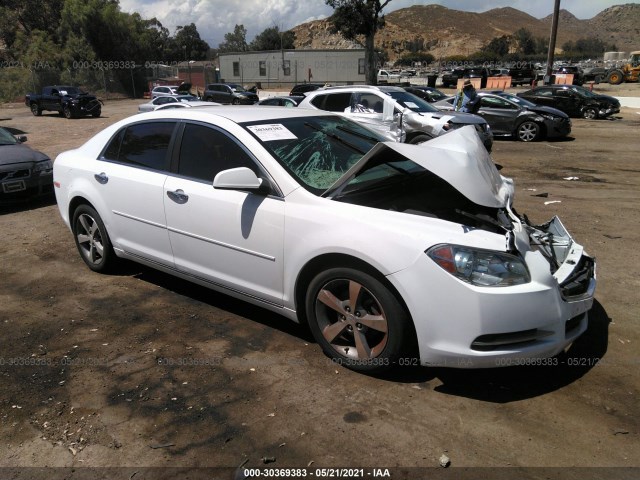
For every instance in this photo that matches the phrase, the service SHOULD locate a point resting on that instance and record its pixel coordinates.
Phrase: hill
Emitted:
(445, 32)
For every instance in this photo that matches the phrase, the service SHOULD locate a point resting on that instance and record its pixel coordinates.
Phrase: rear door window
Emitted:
(143, 145)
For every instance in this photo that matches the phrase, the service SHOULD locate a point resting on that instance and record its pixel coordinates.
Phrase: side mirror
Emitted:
(241, 178)
(22, 138)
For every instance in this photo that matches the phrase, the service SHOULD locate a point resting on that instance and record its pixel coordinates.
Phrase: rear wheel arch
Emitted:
(75, 203)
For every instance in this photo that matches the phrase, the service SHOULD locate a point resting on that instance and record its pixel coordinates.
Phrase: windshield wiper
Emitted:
(335, 137)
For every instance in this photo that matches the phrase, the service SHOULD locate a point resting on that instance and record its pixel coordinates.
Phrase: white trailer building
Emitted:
(285, 68)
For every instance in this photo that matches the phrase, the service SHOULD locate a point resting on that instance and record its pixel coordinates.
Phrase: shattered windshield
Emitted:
(316, 151)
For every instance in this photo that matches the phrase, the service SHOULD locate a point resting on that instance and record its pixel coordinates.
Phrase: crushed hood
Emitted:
(459, 158)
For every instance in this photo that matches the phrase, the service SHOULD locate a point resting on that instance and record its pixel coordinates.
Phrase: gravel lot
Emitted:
(143, 370)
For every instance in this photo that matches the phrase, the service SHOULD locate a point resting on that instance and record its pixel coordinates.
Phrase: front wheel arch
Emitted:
(419, 137)
(339, 260)
(529, 131)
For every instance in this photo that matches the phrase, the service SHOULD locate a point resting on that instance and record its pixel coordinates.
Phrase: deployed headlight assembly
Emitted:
(483, 268)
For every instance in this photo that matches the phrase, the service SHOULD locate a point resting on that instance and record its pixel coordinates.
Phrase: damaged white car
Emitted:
(394, 254)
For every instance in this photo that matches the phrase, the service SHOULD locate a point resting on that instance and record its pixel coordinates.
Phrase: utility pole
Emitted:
(552, 42)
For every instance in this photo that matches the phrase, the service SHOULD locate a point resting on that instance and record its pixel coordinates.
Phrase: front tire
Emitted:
(590, 113)
(528, 131)
(66, 111)
(92, 240)
(96, 114)
(36, 110)
(420, 139)
(357, 320)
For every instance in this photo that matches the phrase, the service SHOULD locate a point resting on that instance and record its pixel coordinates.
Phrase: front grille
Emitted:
(578, 282)
(15, 174)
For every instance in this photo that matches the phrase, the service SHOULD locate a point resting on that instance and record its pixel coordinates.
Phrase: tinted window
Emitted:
(335, 102)
(205, 151)
(113, 149)
(143, 145)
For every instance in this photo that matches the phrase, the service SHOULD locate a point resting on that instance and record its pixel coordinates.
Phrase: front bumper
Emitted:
(606, 110)
(86, 108)
(461, 325)
(558, 128)
(20, 184)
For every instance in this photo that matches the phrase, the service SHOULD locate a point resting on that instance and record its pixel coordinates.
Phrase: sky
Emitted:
(215, 18)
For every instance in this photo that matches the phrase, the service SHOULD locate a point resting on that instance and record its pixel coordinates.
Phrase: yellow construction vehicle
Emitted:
(629, 72)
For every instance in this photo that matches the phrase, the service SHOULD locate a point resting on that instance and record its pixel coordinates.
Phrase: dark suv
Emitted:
(303, 88)
(450, 79)
(578, 75)
(229, 93)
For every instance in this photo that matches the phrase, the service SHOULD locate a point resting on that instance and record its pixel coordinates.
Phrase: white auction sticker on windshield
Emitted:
(410, 105)
(269, 133)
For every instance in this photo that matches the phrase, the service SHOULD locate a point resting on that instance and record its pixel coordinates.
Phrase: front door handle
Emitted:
(101, 178)
(178, 196)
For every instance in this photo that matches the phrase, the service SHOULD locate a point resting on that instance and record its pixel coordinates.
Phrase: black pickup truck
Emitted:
(71, 102)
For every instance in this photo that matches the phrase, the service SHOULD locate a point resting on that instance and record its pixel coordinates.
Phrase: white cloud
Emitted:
(215, 18)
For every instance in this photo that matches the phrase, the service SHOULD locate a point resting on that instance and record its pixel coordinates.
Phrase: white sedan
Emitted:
(166, 100)
(394, 254)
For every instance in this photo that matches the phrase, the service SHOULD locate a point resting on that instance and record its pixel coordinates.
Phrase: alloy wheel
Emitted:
(351, 319)
(89, 239)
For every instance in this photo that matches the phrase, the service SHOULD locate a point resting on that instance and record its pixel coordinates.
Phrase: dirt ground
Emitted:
(140, 369)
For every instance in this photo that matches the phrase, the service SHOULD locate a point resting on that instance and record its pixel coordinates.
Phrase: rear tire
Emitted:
(96, 114)
(357, 320)
(92, 240)
(66, 111)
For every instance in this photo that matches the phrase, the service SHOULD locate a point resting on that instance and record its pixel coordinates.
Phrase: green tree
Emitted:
(525, 41)
(497, 48)
(408, 59)
(188, 40)
(356, 18)
(235, 41)
(273, 39)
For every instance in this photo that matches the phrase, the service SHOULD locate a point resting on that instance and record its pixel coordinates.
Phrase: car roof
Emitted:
(360, 87)
(235, 113)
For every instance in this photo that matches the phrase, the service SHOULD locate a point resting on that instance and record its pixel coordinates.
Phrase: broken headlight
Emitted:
(483, 268)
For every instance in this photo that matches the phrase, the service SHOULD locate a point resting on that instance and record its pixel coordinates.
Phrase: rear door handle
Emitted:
(101, 178)
(178, 196)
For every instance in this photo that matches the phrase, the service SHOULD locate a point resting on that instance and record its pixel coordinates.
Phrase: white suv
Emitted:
(379, 108)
